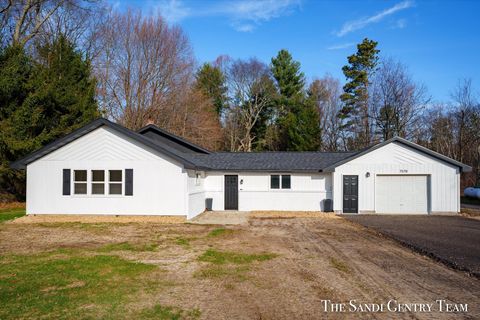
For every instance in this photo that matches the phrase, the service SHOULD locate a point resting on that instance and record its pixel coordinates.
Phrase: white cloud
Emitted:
(400, 24)
(244, 27)
(341, 46)
(260, 10)
(248, 14)
(244, 15)
(351, 26)
(172, 10)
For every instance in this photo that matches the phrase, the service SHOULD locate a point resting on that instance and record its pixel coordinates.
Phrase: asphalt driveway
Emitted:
(453, 240)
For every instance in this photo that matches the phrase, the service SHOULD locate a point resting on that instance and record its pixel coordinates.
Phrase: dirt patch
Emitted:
(51, 218)
(293, 264)
(290, 214)
(221, 217)
(473, 212)
(12, 205)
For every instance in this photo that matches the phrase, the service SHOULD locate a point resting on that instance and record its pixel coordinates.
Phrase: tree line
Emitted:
(64, 63)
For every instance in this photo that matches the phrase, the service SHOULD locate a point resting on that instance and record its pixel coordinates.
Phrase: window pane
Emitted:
(80, 175)
(98, 188)
(80, 188)
(116, 175)
(286, 182)
(115, 188)
(275, 181)
(98, 175)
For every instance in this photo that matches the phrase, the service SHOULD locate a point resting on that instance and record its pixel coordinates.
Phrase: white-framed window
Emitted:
(79, 181)
(275, 181)
(98, 181)
(280, 181)
(286, 181)
(115, 179)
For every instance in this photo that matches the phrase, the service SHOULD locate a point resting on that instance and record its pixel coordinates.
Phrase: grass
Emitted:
(167, 312)
(10, 214)
(229, 264)
(65, 285)
(340, 265)
(182, 241)
(223, 257)
(236, 273)
(127, 246)
(219, 232)
(468, 200)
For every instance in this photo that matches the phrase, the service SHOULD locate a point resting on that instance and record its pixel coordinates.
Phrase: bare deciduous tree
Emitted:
(453, 130)
(397, 102)
(251, 87)
(145, 72)
(22, 20)
(81, 25)
(326, 94)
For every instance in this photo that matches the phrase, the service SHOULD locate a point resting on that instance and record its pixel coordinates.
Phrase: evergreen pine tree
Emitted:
(358, 72)
(15, 72)
(297, 118)
(211, 81)
(286, 71)
(57, 97)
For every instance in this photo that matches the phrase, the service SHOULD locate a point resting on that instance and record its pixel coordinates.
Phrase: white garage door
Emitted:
(401, 194)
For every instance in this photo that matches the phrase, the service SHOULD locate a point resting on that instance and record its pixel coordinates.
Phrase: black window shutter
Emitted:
(66, 182)
(129, 182)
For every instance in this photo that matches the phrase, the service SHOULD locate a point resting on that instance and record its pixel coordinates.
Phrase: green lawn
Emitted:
(10, 214)
(117, 271)
(79, 284)
(112, 280)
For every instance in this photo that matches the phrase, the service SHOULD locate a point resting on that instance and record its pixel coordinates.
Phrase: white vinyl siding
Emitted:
(398, 159)
(402, 194)
(308, 191)
(160, 183)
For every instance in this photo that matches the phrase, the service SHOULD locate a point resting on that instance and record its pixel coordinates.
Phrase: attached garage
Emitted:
(396, 177)
(402, 194)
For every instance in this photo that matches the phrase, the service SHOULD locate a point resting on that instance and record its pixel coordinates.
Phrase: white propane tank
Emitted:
(472, 192)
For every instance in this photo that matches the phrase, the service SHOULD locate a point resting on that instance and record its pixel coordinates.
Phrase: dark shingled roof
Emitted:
(197, 158)
(268, 161)
(163, 137)
(57, 144)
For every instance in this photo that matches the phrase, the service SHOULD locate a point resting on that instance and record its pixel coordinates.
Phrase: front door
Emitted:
(350, 194)
(231, 192)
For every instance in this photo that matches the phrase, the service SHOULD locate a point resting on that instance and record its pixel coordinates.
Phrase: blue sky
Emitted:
(437, 40)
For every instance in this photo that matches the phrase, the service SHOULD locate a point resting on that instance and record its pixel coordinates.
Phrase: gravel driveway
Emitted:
(453, 240)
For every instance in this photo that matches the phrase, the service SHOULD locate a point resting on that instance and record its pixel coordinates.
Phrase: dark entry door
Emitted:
(350, 194)
(231, 192)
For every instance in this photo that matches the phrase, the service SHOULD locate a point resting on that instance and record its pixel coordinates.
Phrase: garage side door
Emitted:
(401, 194)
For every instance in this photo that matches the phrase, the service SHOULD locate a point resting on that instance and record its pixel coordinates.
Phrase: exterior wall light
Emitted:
(367, 174)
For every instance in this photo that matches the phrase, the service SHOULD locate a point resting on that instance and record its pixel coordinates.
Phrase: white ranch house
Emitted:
(106, 169)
